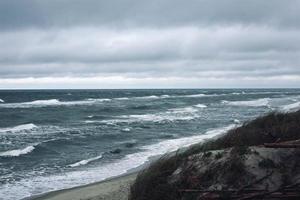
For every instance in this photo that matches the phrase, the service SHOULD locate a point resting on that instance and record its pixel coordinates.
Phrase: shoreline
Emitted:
(114, 188)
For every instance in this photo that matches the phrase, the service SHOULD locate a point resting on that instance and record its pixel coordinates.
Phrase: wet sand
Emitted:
(112, 189)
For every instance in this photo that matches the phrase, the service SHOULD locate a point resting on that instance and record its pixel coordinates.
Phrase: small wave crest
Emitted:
(175, 114)
(85, 162)
(19, 128)
(53, 102)
(2, 101)
(251, 103)
(201, 106)
(291, 107)
(17, 152)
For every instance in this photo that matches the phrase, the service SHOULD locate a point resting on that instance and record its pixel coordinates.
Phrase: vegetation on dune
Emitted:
(153, 183)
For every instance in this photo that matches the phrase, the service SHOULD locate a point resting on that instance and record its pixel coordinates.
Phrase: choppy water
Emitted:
(54, 139)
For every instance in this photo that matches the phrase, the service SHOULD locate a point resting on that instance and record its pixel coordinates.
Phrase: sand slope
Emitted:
(113, 189)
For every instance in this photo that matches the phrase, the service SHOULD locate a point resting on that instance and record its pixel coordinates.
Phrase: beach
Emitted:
(59, 139)
(112, 189)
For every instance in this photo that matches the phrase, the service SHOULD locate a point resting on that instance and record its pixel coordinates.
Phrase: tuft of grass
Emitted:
(218, 155)
(266, 163)
(152, 183)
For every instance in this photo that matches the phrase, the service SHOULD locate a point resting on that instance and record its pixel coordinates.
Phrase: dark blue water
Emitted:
(54, 139)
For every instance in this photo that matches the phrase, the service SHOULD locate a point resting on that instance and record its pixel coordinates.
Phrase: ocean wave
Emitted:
(52, 102)
(2, 101)
(251, 103)
(84, 162)
(94, 100)
(148, 97)
(17, 152)
(122, 98)
(41, 184)
(291, 107)
(201, 106)
(196, 95)
(126, 129)
(188, 109)
(19, 128)
(175, 114)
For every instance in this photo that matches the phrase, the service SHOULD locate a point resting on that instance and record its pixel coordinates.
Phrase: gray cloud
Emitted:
(127, 13)
(208, 40)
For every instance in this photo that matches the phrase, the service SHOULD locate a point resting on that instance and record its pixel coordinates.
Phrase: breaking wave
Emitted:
(251, 103)
(2, 101)
(52, 102)
(291, 107)
(84, 162)
(175, 114)
(17, 152)
(201, 106)
(19, 128)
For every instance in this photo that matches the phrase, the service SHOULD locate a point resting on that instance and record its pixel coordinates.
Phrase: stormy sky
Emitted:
(149, 44)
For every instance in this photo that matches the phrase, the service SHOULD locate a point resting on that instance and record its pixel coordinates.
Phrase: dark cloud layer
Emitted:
(170, 39)
(60, 13)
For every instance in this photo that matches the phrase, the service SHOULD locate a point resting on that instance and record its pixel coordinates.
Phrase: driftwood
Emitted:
(281, 145)
(286, 192)
(286, 144)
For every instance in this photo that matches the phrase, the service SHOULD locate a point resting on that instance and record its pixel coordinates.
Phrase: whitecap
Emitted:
(188, 109)
(201, 106)
(17, 152)
(19, 128)
(2, 101)
(98, 100)
(236, 121)
(122, 98)
(291, 107)
(52, 102)
(84, 162)
(196, 95)
(148, 97)
(126, 129)
(175, 114)
(251, 103)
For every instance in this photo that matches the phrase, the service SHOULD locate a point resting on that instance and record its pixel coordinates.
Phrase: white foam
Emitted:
(291, 107)
(176, 114)
(19, 128)
(200, 106)
(17, 152)
(122, 98)
(148, 97)
(196, 95)
(188, 109)
(41, 184)
(251, 103)
(95, 100)
(84, 162)
(126, 129)
(52, 102)
(236, 121)
(2, 101)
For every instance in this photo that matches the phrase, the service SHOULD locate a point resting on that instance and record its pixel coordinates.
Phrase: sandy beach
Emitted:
(112, 189)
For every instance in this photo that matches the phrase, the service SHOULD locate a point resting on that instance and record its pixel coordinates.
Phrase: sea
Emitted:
(57, 139)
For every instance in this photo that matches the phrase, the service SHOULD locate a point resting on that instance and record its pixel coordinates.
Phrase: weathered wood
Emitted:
(281, 145)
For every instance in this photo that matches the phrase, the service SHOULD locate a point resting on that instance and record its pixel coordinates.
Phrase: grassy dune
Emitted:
(155, 182)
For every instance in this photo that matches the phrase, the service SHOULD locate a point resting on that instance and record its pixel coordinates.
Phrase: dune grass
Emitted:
(152, 183)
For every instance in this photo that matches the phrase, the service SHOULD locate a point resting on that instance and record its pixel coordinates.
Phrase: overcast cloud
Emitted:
(149, 44)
